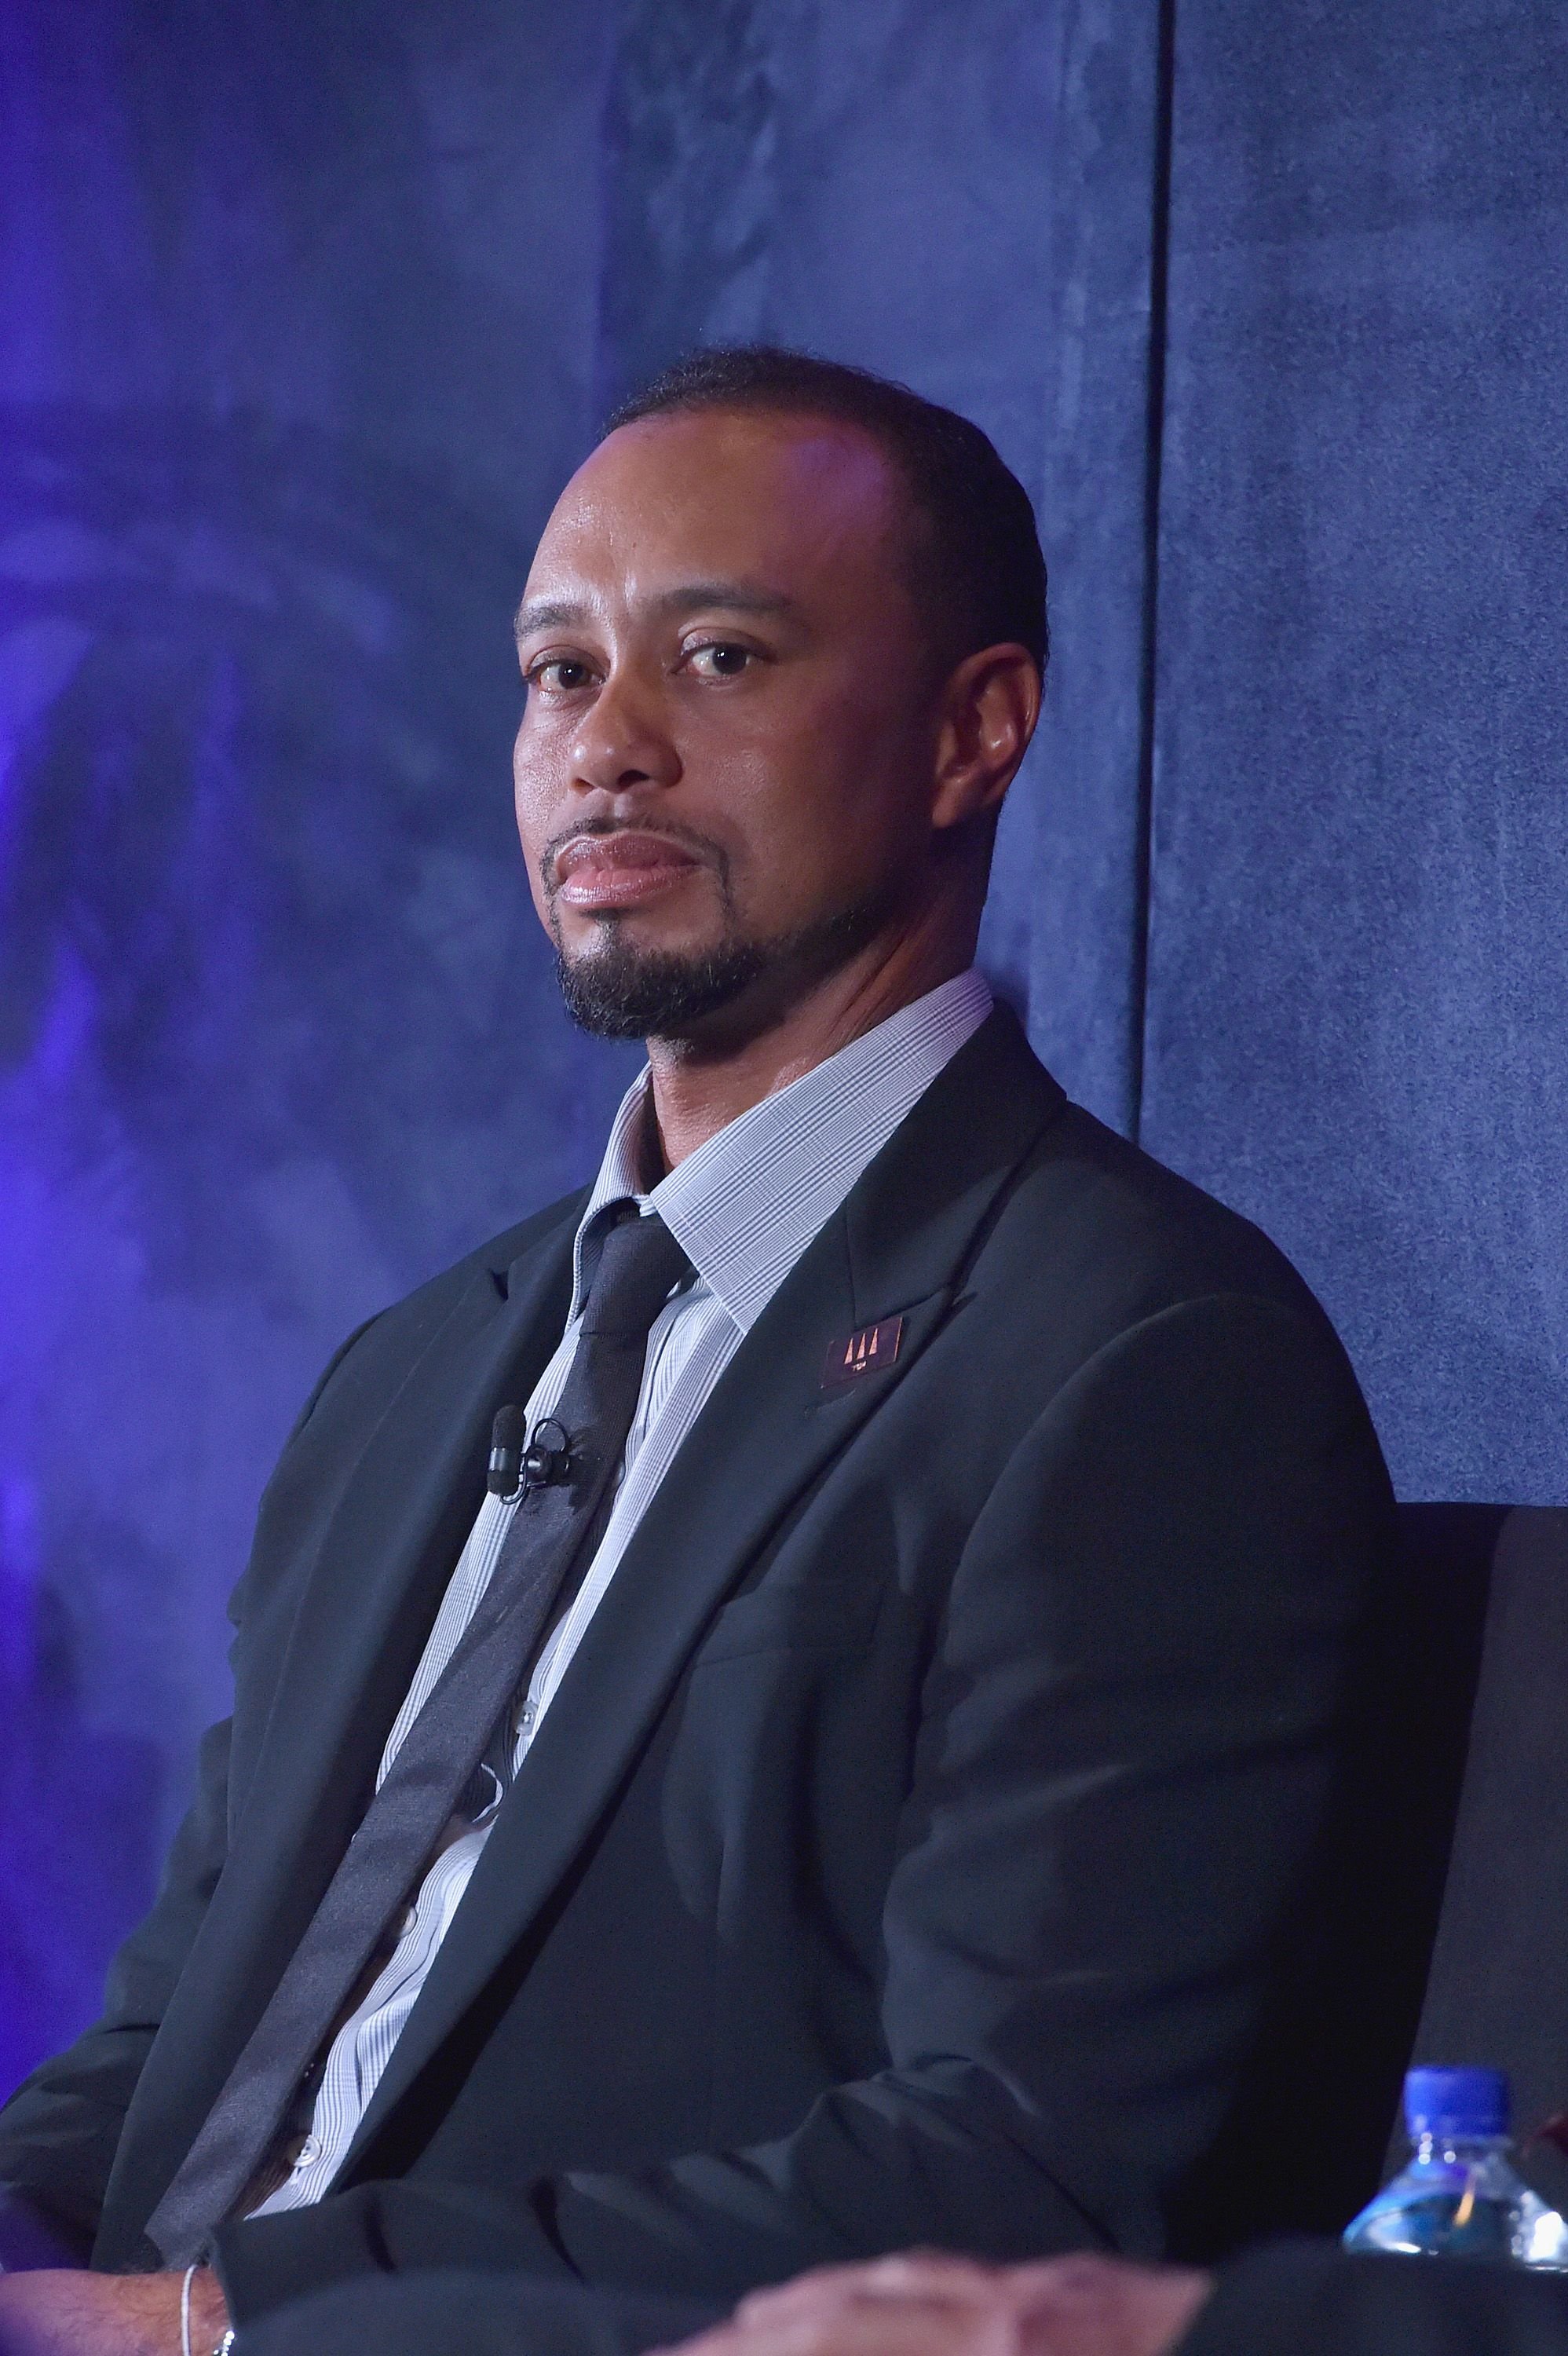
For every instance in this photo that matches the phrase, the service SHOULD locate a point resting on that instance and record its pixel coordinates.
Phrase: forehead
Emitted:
(808, 504)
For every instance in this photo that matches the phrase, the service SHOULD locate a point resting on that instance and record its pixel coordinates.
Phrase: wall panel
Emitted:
(298, 313)
(1358, 1017)
(964, 199)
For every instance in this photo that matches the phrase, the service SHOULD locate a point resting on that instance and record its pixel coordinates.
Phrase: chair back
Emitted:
(1496, 1992)
(1309, 2131)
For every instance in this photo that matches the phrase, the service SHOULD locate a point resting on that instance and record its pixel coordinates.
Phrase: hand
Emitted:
(927, 2304)
(1090, 2306)
(56, 2313)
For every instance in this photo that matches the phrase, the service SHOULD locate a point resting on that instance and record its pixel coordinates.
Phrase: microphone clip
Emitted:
(519, 1462)
(548, 1457)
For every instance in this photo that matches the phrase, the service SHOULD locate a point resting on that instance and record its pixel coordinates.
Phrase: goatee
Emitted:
(617, 991)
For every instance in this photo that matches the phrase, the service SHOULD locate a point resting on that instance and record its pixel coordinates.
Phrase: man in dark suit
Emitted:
(873, 1766)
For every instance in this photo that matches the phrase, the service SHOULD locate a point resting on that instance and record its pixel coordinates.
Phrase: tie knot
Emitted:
(639, 1263)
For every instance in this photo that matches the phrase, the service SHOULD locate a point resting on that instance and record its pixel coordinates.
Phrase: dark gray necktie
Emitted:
(554, 1524)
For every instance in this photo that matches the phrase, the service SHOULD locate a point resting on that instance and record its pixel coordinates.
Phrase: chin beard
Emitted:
(619, 992)
(616, 992)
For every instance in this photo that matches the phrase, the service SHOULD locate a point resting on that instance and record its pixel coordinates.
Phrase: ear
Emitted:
(986, 714)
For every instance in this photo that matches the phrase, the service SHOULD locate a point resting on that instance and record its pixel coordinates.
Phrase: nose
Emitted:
(621, 743)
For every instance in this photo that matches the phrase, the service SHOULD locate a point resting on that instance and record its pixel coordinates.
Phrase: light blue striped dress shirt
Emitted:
(745, 1207)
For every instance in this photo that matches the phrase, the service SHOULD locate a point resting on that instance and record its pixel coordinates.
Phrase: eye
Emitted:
(720, 658)
(559, 674)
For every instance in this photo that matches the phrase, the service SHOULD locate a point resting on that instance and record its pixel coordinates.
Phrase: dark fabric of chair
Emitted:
(1464, 1872)
(1355, 2002)
(1443, 1587)
(1497, 1990)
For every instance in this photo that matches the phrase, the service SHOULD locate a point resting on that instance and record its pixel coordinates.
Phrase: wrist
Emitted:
(203, 2315)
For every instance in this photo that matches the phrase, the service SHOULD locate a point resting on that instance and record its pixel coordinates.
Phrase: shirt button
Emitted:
(309, 2150)
(410, 1919)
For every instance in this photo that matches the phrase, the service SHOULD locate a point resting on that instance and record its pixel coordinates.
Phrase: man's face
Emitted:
(725, 771)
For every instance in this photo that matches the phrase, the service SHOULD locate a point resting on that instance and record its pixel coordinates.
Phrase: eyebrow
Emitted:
(737, 596)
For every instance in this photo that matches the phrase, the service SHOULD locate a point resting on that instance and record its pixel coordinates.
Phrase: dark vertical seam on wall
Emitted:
(1159, 322)
(603, 373)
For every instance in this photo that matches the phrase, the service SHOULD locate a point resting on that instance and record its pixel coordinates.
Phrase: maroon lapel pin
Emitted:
(865, 1352)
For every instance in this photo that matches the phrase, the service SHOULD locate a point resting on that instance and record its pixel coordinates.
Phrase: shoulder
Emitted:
(430, 1302)
(1094, 1239)
(1079, 1207)
(1141, 1224)
(389, 1338)
(368, 1371)
(1149, 1352)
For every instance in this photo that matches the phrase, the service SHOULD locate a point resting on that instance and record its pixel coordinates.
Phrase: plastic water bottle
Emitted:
(1460, 2196)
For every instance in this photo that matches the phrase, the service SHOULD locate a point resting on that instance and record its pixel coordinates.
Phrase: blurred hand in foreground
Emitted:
(926, 2303)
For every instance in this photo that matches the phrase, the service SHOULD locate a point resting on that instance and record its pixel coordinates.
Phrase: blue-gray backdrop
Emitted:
(308, 308)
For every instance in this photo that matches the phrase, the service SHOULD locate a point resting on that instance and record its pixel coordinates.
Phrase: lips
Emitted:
(618, 870)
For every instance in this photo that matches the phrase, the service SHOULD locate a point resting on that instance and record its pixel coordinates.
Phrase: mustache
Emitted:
(697, 846)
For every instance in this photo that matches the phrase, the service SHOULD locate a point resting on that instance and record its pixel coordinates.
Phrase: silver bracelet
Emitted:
(225, 2345)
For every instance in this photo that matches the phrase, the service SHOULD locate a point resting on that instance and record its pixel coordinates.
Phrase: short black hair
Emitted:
(979, 577)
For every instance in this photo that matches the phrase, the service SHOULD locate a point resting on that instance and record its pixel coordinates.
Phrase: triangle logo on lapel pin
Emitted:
(868, 1351)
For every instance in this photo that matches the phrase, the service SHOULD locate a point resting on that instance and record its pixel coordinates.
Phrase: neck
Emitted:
(700, 1085)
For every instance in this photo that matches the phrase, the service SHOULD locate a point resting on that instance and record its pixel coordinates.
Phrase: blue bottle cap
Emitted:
(1462, 2103)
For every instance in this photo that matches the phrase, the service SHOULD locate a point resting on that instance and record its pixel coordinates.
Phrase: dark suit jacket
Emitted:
(939, 1835)
(476, 2315)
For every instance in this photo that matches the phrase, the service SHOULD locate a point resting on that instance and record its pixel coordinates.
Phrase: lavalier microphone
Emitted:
(518, 1463)
(507, 1437)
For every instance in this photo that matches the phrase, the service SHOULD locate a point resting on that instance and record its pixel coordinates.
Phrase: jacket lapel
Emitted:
(388, 1550)
(898, 1247)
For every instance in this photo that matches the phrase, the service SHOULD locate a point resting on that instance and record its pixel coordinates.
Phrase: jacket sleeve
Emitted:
(60, 2130)
(1301, 2299)
(1129, 1736)
(476, 2315)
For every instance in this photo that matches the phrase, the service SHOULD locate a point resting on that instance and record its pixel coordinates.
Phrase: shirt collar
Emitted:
(745, 1205)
